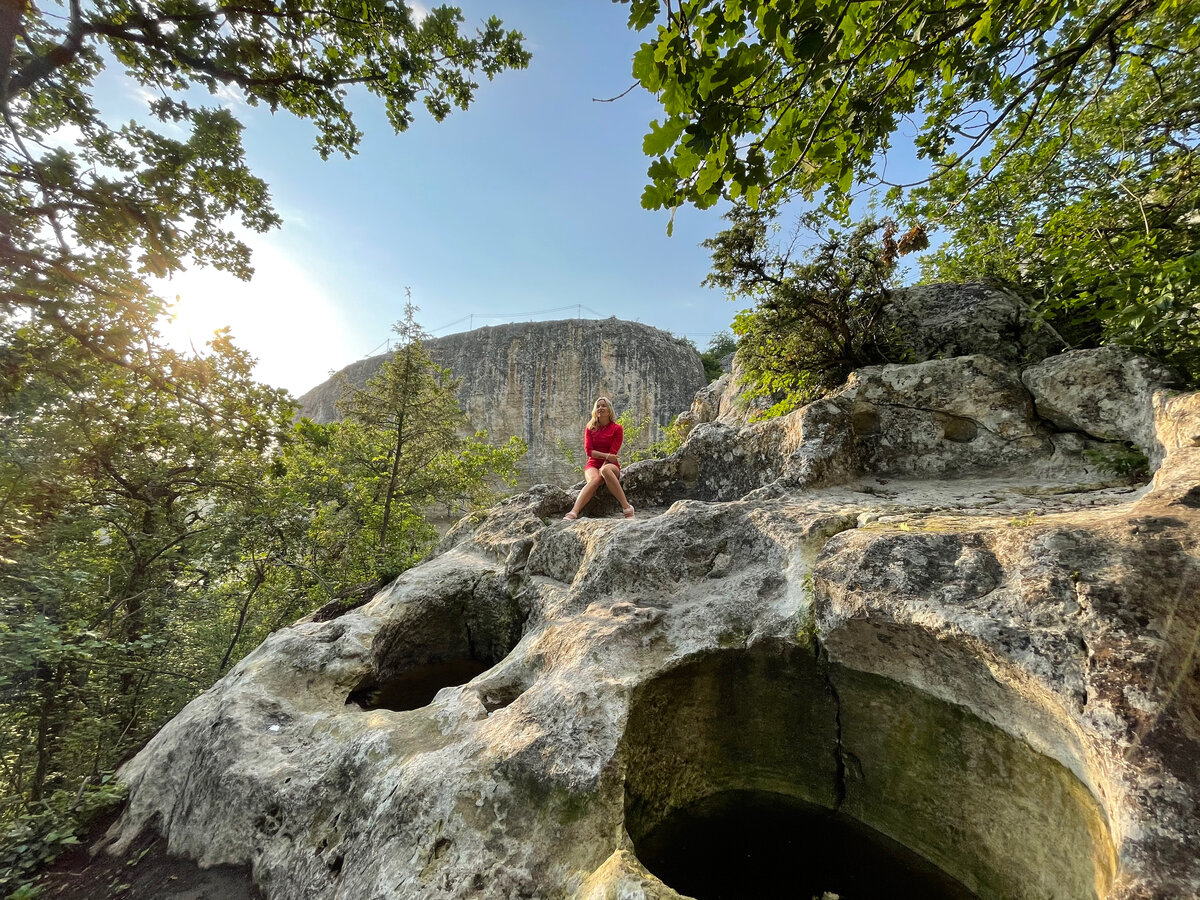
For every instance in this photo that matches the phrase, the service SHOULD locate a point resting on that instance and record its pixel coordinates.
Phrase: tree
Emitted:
(816, 319)
(766, 99)
(90, 210)
(122, 510)
(1100, 224)
(404, 445)
(1059, 138)
(153, 530)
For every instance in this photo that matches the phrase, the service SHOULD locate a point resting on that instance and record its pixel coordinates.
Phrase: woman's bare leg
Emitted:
(593, 479)
(612, 478)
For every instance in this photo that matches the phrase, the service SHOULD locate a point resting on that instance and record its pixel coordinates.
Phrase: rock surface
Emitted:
(538, 381)
(939, 321)
(913, 602)
(1105, 393)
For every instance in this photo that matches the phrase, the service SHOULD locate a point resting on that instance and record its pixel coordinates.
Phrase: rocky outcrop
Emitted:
(911, 616)
(1105, 393)
(932, 322)
(538, 380)
(939, 321)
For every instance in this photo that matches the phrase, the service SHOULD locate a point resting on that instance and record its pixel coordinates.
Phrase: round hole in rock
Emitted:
(416, 687)
(738, 844)
(733, 738)
(437, 642)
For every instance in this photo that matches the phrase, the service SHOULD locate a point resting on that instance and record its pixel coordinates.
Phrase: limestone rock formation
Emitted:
(933, 321)
(938, 321)
(1105, 393)
(538, 380)
(912, 615)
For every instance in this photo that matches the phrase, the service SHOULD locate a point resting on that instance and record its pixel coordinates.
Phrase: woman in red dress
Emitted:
(601, 441)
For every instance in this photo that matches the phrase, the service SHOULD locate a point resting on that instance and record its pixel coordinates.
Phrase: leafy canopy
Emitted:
(771, 98)
(1058, 138)
(89, 209)
(1098, 221)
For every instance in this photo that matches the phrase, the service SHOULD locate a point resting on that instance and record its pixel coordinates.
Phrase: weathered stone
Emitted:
(934, 321)
(1105, 393)
(998, 672)
(937, 321)
(538, 381)
(708, 403)
(962, 416)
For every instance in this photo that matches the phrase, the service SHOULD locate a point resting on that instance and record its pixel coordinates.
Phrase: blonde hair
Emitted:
(594, 421)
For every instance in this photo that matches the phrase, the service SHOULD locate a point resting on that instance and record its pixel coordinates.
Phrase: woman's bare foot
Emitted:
(628, 512)
(571, 517)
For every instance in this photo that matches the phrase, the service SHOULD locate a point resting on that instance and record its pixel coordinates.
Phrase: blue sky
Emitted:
(528, 201)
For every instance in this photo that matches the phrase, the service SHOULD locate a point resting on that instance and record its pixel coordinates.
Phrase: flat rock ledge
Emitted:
(915, 603)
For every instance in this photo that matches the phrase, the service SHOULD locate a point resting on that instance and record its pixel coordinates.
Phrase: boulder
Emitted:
(936, 321)
(1106, 393)
(990, 670)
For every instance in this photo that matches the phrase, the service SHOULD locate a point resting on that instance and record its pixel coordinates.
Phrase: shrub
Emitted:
(816, 319)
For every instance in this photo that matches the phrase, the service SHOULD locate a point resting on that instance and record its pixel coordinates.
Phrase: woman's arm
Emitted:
(615, 444)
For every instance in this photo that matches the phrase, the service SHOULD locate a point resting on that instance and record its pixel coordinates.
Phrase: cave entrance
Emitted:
(739, 844)
(748, 770)
(435, 643)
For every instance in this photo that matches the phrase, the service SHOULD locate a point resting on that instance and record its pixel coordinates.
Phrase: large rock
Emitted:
(997, 672)
(932, 322)
(1105, 393)
(938, 321)
(538, 381)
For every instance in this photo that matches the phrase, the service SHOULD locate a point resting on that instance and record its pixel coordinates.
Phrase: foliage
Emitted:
(814, 320)
(36, 837)
(764, 99)
(672, 439)
(402, 448)
(153, 530)
(1123, 461)
(1058, 139)
(89, 210)
(159, 514)
(126, 498)
(720, 345)
(1099, 221)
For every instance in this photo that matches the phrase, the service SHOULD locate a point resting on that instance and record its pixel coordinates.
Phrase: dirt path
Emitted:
(147, 872)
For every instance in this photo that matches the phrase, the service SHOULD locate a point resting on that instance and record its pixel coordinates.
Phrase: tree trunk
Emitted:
(11, 13)
(48, 727)
(395, 474)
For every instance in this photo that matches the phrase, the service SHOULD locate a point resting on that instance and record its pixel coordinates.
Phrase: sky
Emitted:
(525, 206)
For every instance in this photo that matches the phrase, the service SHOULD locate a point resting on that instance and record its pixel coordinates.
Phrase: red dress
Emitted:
(606, 439)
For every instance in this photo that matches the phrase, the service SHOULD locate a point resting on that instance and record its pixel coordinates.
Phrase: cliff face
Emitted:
(538, 380)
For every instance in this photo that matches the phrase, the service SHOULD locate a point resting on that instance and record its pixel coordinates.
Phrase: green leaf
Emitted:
(661, 138)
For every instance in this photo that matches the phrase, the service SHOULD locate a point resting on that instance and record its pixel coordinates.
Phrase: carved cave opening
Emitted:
(438, 643)
(771, 772)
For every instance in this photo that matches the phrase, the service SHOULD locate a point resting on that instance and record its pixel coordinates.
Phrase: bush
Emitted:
(37, 836)
(815, 320)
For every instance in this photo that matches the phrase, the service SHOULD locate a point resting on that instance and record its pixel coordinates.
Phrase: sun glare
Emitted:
(283, 317)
